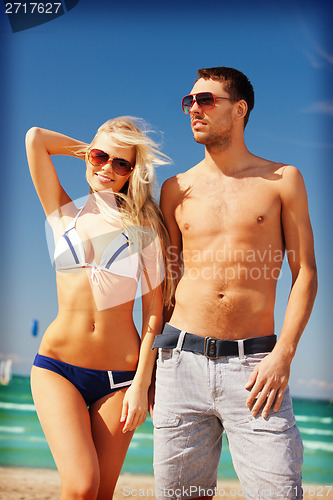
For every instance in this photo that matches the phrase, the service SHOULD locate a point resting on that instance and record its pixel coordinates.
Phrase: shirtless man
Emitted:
(231, 219)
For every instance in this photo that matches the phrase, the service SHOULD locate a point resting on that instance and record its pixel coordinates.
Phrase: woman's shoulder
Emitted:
(62, 217)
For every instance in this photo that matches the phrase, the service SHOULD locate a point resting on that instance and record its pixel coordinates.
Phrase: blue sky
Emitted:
(96, 62)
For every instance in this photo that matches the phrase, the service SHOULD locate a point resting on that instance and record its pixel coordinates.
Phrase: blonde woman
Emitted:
(91, 376)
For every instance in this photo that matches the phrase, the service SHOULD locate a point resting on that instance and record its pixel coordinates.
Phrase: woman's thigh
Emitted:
(65, 420)
(110, 442)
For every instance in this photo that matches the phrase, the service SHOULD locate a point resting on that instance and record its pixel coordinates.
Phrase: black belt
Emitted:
(212, 347)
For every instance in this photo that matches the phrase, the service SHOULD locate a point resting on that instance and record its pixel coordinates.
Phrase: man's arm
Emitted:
(271, 375)
(169, 200)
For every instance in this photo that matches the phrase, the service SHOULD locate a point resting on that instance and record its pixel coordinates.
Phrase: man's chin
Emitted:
(200, 137)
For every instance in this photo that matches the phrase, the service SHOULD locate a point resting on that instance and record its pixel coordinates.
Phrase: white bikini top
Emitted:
(118, 258)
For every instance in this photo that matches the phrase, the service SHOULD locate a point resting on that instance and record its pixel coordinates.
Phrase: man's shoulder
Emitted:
(291, 171)
(275, 170)
(170, 191)
(180, 181)
(290, 180)
(286, 172)
(292, 184)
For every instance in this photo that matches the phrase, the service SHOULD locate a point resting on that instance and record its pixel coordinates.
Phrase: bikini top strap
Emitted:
(72, 224)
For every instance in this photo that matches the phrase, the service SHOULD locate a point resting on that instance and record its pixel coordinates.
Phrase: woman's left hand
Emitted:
(134, 409)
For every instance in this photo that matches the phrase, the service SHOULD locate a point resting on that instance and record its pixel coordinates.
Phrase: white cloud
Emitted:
(324, 54)
(313, 50)
(12, 356)
(315, 61)
(321, 384)
(324, 107)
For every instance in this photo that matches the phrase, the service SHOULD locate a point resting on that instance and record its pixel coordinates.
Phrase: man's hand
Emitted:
(268, 380)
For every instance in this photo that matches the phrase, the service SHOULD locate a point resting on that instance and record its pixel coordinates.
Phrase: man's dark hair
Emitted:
(235, 83)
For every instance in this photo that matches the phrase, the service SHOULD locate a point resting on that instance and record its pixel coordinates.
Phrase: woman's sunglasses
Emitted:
(99, 158)
(205, 101)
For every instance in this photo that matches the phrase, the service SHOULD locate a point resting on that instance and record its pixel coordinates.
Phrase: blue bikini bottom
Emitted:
(92, 384)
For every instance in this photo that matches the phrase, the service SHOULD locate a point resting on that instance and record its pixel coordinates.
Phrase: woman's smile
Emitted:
(103, 178)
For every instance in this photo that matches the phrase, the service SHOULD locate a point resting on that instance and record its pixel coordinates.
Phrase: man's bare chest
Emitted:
(243, 209)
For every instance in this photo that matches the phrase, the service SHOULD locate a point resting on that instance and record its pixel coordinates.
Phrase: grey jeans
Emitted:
(196, 400)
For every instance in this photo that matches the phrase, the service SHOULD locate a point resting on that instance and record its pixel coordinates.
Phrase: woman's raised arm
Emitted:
(40, 145)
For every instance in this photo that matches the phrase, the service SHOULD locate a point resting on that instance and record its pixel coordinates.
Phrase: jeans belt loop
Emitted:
(180, 341)
(241, 349)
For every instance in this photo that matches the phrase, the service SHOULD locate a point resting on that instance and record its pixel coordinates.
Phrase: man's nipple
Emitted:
(260, 219)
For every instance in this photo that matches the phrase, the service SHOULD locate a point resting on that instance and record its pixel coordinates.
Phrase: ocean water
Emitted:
(22, 442)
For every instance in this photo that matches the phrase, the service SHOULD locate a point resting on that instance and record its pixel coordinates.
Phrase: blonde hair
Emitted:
(137, 206)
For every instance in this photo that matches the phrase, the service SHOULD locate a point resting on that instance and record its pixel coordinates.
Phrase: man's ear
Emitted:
(241, 108)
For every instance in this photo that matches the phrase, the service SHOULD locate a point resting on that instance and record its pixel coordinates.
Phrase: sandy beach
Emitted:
(44, 484)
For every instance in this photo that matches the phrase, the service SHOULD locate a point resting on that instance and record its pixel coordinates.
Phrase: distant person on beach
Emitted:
(91, 376)
(231, 219)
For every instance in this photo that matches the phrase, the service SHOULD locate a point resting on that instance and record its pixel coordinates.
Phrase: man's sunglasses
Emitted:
(205, 101)
(99, 158)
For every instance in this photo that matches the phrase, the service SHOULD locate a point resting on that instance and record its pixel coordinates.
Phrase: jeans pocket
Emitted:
(277, 422)
(167, 356)
(251, 360)
(163, 419)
